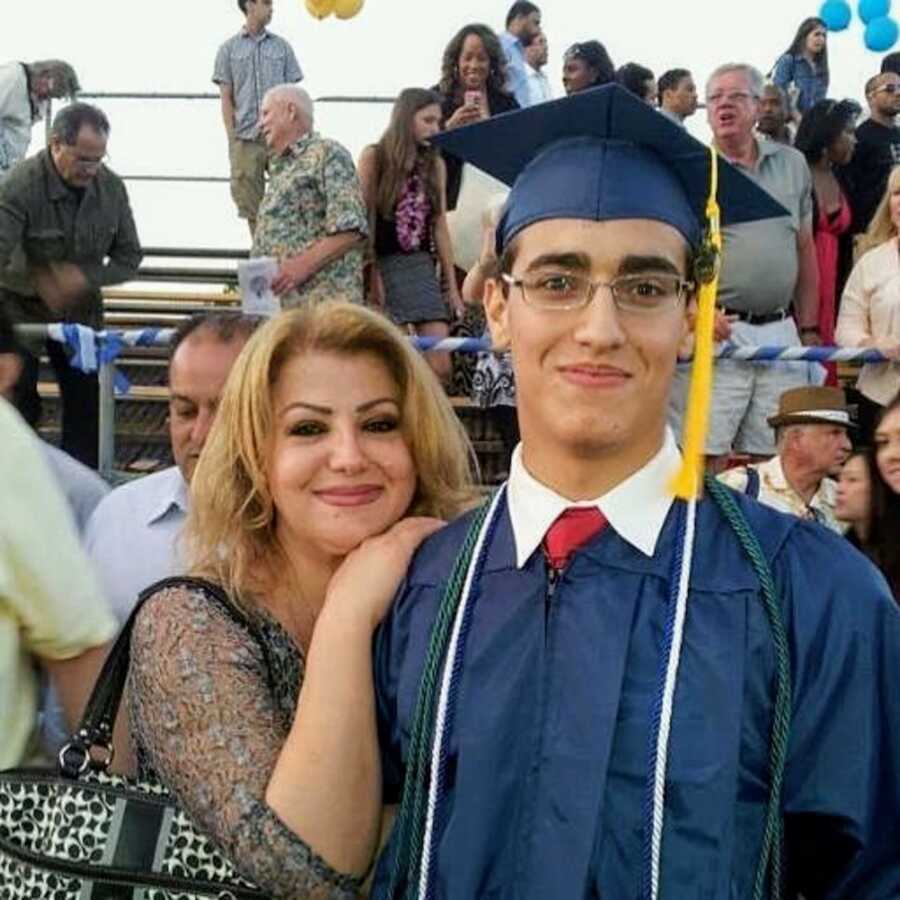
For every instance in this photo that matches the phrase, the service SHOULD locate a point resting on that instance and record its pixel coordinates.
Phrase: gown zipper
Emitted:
(553, 576)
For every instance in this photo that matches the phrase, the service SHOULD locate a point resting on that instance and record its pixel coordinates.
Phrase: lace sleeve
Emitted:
(206, 721)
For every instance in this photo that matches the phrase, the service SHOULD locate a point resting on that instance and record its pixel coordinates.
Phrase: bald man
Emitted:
(312, 219)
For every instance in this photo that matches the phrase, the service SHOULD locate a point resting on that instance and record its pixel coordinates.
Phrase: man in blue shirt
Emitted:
(133, 535)
(523, 22)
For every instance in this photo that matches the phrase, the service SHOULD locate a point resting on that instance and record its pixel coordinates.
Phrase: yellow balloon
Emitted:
(347, 9)
(320, 8)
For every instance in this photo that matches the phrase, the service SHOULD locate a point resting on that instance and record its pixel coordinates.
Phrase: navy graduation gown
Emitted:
(548, 757)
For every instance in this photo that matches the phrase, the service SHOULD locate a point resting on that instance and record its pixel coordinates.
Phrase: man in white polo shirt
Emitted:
(132, 536)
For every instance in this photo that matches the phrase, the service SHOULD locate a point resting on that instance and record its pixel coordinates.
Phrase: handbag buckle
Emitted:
(77, 756)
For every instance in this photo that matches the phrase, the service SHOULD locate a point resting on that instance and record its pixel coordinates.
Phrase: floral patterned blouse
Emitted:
(313, 193)
(211, 706)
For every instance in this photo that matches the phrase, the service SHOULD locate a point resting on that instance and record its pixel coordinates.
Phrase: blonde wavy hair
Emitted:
(881, 228)
(230, 532)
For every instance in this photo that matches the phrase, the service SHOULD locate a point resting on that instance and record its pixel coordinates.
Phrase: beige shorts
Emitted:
(249, 161)
(745, 394)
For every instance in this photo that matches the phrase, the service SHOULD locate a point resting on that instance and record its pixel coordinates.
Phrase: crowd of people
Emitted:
(317, 462)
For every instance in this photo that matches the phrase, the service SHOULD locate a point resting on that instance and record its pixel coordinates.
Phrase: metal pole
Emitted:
(106, 437)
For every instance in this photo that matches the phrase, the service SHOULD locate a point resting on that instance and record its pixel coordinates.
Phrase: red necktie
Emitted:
(573, 527)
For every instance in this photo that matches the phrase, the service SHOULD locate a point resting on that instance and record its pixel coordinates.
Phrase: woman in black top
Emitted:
(472, 87)
(587, 65)
(403, 180)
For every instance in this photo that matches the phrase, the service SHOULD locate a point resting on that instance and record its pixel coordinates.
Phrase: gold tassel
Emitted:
(688, 483)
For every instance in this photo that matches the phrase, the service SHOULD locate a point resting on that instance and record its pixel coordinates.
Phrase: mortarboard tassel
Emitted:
(688, 483)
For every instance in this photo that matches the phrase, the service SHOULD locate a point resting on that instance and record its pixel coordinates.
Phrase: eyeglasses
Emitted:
(83, 162)
(88, 164)
(642, 294)
(729, 97)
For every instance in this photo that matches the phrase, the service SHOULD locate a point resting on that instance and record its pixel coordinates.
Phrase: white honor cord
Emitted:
(665, 723)
(441, 717)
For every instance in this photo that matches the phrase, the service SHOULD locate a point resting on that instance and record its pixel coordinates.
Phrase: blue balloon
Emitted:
(881, 34)
(836, 14)
(873, 9)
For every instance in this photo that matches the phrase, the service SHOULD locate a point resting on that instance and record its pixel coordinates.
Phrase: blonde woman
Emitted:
(332, 433)
(870, 306)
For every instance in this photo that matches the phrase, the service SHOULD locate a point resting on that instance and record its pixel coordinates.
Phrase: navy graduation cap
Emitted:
(603, 154)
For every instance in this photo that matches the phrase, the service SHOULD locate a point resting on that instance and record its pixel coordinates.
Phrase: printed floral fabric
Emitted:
(412, 214)
(210, 708)
(493, 382)
(775, 491)
(313, 193)
(462, 377)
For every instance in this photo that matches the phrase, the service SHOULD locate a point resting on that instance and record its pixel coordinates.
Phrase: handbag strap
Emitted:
(96, 726)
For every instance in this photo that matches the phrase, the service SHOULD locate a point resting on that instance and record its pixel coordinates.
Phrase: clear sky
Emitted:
(169, 46)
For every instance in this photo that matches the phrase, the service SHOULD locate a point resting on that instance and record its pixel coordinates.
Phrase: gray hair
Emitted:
(783, 432)
(69, 121)
(754, 77)
(293, 93)
(65, 81)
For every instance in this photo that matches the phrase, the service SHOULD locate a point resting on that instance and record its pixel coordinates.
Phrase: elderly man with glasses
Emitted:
(66, 231)
(768, 288)
(877, 149)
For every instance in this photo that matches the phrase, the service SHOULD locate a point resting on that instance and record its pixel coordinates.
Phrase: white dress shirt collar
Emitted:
(171, 492)
(636, 509)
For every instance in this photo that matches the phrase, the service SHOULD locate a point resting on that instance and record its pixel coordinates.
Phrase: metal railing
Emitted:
(176, 302)
(162, 95)
(105, 362)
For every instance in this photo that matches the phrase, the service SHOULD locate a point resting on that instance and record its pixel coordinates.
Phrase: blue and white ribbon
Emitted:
(91, 350)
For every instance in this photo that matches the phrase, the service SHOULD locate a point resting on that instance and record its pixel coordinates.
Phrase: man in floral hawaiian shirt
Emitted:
(312, 219)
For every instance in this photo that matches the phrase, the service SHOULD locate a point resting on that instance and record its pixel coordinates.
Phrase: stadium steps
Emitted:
(142, 443)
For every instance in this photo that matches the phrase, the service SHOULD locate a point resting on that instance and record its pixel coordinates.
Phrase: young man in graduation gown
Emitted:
(624, 705)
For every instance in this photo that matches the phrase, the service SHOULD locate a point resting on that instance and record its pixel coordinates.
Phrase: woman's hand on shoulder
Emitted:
(366, 581)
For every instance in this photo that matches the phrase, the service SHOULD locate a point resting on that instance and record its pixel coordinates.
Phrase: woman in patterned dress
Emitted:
(493, 384)
(331, 434)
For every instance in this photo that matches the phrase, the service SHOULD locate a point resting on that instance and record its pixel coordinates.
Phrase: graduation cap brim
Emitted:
(504, 145)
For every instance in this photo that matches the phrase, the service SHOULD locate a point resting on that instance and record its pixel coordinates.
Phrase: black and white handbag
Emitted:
(85, 834)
